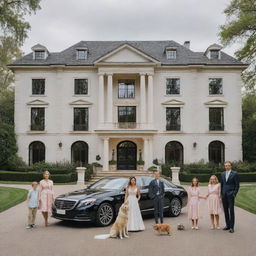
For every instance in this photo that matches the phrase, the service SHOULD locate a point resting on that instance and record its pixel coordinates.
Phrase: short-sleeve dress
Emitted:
(46, 195)
(214, 203)
(193, 203)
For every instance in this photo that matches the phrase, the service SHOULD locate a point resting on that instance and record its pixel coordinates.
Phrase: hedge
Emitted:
(36, 176)
(243, 177)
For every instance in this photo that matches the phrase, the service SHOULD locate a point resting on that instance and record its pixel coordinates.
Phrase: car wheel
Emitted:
(175, 207)
(105, 214)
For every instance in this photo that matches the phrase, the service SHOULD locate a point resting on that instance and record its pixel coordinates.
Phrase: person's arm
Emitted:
(126, 194)
(29, 195)
(237, 184)
(163, 193)
(138, 193)
(150, 190)
(221, 183)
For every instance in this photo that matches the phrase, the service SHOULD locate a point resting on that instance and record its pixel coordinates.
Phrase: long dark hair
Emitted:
(130, 181)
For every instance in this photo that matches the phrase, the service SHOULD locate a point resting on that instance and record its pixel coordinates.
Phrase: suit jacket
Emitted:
(231, 186)
(153, 188)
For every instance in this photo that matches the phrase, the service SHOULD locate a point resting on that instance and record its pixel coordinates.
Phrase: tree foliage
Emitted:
(249, 127)
(241, 27)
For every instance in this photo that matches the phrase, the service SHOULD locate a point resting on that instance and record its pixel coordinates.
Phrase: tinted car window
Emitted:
(108, 183)
(168, 184)
(146, 181)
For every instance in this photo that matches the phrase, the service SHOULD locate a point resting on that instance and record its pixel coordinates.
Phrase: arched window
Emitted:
(216, 152)
(36, 152)
(174, 152)
(126, 155)
(79, 153)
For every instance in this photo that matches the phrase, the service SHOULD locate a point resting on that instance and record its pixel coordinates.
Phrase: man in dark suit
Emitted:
(229, 189)
(156, 192)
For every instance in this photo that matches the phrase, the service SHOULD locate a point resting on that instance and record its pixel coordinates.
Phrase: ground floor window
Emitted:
(36, 152)
(126, 155)
(174, 152)
(79, 153)
(216, 152)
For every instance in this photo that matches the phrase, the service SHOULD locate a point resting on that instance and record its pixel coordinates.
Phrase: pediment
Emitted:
(173, 102)
(37, 103)
(80, 102)
(126, 54)
(216, 103)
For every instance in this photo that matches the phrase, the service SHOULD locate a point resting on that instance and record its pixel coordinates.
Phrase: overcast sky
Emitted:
(62, 23)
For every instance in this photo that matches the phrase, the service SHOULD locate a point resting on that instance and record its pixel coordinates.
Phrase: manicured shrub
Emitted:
(36, 176)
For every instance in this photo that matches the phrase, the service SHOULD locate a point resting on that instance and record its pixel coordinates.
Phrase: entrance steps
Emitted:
(123, 173)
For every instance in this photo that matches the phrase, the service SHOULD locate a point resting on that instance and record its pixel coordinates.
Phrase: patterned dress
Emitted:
(46, 195)
(214, 203)
(193, 203)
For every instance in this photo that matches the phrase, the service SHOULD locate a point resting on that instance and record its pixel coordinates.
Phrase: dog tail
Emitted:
(104, 236)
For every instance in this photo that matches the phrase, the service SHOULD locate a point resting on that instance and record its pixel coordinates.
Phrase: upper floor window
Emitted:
(171, 54)
(126, 114)
(39, 55)
(173, 119)
(38, 86)
(81, 54)
(81, 86)
(214, 54)
(216, 119)
(172, 86)
(215, 86)
(37, 119)
(81, 119)
(126, 89)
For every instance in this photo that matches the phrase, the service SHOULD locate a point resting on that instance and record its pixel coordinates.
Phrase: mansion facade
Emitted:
(128, 101)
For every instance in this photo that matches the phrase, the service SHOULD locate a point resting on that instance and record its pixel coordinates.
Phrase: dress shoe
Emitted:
(226, 228)
(231, 230)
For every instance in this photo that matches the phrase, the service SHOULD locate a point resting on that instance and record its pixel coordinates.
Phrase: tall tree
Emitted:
(249, 127)
(241, 27)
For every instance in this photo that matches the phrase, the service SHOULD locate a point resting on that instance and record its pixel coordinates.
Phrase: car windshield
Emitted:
(110, 183)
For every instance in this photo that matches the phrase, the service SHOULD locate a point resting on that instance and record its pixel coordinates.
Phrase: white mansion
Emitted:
(128, 100)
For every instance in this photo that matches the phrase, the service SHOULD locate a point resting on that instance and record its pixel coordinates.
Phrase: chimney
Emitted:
(187, 44)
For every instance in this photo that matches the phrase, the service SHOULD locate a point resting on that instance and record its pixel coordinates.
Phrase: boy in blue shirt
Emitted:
(32, 205)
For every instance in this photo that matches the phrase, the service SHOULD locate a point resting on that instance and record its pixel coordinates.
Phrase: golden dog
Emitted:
(119, 228)
(163, 228)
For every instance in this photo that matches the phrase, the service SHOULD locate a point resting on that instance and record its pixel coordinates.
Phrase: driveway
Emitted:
(75, 239)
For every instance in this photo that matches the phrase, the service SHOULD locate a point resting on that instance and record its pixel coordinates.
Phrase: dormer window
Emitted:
(40, 52)
(171, 54)
(81, 54)
(39, 55)
(214, 54)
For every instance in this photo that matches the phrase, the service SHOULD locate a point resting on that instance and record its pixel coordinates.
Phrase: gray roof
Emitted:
(154, 49)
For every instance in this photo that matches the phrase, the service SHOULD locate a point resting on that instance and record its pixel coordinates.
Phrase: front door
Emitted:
(126, 155)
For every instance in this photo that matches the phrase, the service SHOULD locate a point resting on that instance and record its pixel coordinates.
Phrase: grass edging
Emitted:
(10, 197)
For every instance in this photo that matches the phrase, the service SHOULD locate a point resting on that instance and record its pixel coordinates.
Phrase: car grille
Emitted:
(64, 204)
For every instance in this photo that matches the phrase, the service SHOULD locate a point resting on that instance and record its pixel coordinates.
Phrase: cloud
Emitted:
(61, 23)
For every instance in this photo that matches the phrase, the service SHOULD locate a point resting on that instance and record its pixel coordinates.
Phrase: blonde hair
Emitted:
(216, 179)
(197, 182)
(46, 172)
(34, 183)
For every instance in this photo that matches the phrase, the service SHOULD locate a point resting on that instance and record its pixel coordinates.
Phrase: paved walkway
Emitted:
(62, 239)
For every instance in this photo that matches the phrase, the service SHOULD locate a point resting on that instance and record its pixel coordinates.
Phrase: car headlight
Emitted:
(87, 202)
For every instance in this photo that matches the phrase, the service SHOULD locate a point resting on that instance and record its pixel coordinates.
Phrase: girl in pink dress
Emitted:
(193, 203)
(46, 197)
(214, 201)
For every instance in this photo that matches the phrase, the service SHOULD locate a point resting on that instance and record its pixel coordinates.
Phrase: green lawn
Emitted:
(11, 196)
(246, 198)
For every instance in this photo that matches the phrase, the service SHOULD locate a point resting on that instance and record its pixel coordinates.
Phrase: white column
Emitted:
(146, 151)
(142, 99)
(175, 175)
(150, 154)
(150, 99)
(105, 154)
(80, 174)
(101, 99)
(110, 99)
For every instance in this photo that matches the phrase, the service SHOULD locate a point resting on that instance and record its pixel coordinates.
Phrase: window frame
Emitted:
(172, 78)
(177, 126)
(39, 54)
(78, 94)
(79, 126)
(213, 57)
(216, 126)
(126, 83)
(170, 56)
(127, 117)
(209, 84)
(37, 126)
(79, 57)
(38, 94)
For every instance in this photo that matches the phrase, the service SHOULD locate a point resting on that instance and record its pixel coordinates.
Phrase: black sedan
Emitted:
(100, 202)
